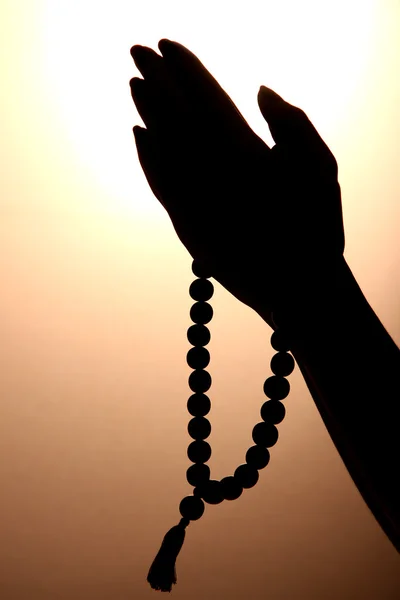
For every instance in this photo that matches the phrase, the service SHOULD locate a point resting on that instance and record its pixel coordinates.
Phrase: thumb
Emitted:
(289, 124)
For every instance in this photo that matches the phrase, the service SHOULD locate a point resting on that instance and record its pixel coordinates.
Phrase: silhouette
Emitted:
(267, 224)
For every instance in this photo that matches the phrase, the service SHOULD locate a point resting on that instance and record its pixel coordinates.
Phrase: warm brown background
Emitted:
(94, 308)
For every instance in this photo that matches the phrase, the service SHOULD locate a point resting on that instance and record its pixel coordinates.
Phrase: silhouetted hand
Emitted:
(268, 223)
(265, 221)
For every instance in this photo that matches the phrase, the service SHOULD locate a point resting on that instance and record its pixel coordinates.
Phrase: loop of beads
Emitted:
(265, 433)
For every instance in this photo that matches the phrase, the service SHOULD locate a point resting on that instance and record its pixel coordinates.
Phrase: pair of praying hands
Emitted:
(267, 224)
(263, 220)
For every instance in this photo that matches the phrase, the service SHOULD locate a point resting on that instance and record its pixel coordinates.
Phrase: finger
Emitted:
(150, 64)
(142, 101)
(289, 124)
(211, 103)
(158, 108)
(150, 160)
(158, 99)
(157, 166)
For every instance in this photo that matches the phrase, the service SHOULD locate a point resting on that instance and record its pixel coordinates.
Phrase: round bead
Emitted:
(257, 457)
(198, 357)
(191, 508)
(198, 474)
(231, 488)
(273, 411)
(246, 475)
(276, 388)
(201, 312)
(199, 428)
(200, 270)
(282, 364)
(199, 381)
(198, 335)
(201, 289)
(265, 434)
(279, 341)
(211, 492)
(199, 451)
(199, 405)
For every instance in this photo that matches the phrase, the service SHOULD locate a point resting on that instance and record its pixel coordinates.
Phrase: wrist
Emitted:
(312, 296)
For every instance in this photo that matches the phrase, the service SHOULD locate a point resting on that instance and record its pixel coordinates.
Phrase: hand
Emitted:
(263, 220)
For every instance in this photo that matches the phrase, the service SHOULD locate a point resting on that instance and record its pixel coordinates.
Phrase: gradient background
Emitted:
(94, 307)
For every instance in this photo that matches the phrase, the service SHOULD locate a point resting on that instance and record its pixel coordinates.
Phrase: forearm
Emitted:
(351, 367)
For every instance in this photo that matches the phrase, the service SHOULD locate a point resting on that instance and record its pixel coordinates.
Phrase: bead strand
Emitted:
(264, 434)
(162, 573)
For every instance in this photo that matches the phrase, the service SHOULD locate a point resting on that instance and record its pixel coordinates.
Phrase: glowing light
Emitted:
(313, 53)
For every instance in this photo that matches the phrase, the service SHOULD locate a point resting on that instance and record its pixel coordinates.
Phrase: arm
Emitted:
(351, 367)
(246, 209)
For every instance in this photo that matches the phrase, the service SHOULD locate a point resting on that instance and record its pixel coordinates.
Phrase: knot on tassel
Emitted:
(162, 573)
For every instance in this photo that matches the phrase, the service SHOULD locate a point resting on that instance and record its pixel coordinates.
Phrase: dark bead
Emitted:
(201, 312)
(200, 381)
(200, 270)
(257, 457)
(198, 335)
(279, 341)
(247, 476)
(265, 434)
(191, 508)
(276, 388)
(201, 289)
(231, 488)
(199, 428)
(199, 405)
(211, 492)
(198, 357)
(199, 451)
(273, 411)
(198, 474)
(282, 364)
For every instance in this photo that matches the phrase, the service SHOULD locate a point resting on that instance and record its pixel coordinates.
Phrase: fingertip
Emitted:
(137, 130)
(169, 47)
(164, 45)
(136, 83)
(136, 48)
(265, 94)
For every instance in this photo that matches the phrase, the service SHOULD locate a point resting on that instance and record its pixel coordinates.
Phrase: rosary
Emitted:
(162, 573)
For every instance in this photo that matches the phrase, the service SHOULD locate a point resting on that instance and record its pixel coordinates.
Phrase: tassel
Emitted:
(162, 573)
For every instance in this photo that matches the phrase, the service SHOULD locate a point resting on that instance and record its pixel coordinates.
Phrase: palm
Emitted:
(246, 210)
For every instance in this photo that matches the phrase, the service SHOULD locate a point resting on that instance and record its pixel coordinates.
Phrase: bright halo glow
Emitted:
(313, 53)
